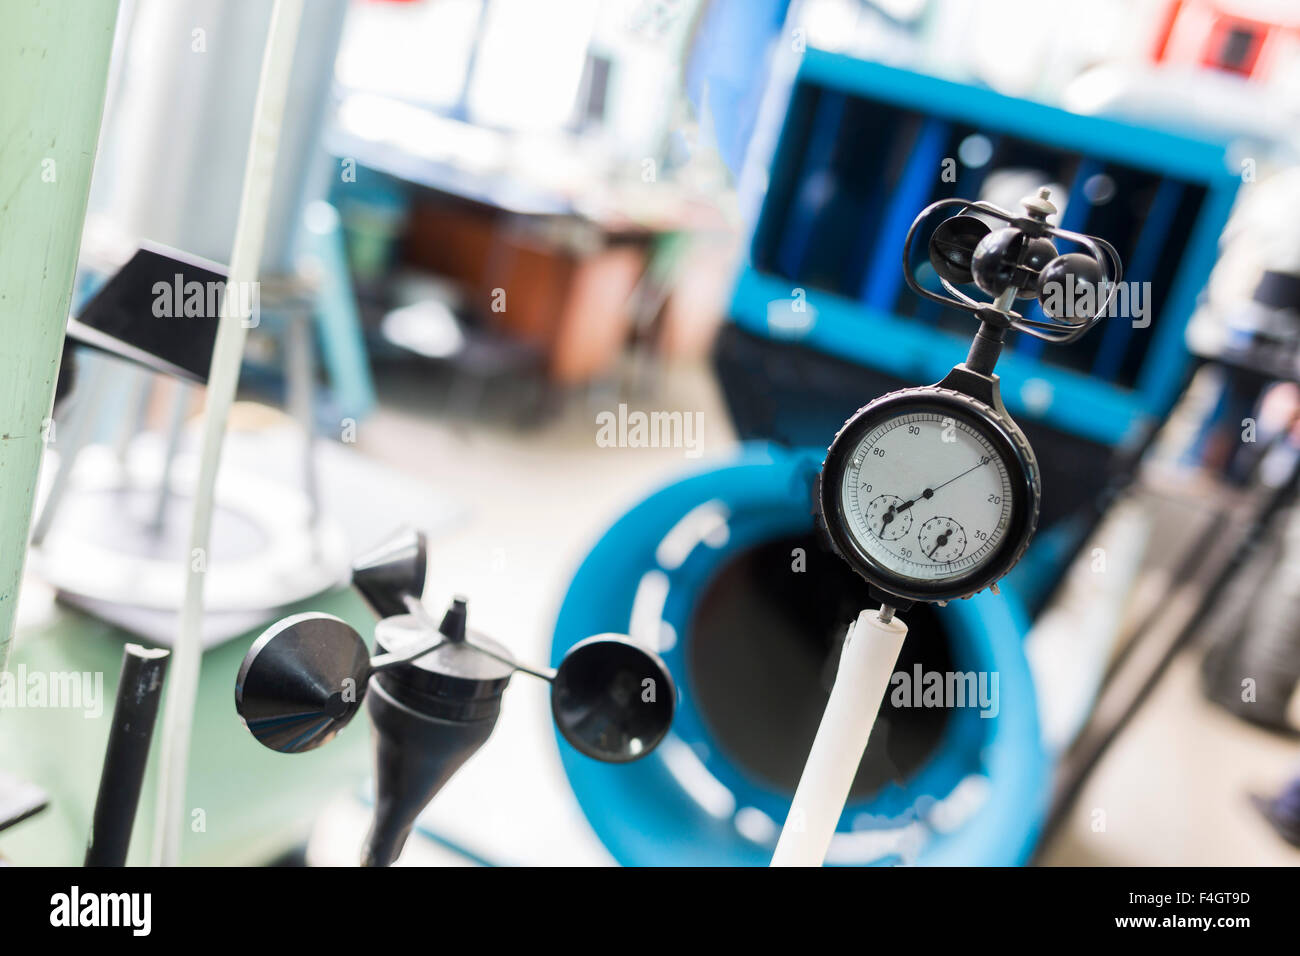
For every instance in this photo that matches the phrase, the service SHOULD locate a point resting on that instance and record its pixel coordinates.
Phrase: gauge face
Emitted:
(930, 499)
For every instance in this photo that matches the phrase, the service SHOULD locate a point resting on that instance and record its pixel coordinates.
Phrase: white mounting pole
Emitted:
(250, 232)
(867, 661)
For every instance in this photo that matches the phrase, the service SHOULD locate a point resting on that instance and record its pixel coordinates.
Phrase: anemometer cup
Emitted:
(612, 699)
(952, 247)
(390, 573)
(1074, 290)
(302, 682)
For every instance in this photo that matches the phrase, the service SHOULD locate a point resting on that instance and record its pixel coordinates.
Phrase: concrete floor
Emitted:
(1173, 790)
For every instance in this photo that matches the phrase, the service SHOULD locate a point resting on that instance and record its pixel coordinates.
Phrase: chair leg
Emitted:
(78, 429)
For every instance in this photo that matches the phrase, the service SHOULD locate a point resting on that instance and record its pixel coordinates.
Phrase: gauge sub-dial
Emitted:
(885, 520)
(942, 539)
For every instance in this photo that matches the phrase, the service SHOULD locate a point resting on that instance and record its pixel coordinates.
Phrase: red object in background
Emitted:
(1234, 45)
(1212, 33)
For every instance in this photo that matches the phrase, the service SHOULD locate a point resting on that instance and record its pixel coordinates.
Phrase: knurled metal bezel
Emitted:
(1004, 433)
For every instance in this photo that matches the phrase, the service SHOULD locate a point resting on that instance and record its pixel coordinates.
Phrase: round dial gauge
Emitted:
(929, 494)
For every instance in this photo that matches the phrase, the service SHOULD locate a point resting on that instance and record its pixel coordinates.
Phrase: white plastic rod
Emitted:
(870, 652)
(246, 253)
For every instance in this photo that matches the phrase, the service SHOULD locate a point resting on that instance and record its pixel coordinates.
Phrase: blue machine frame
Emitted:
(853, 329)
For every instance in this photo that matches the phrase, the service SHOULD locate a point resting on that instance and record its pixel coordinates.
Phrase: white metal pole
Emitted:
(250, 231)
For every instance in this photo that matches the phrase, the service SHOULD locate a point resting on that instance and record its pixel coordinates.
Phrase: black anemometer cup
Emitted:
(1017, 260)
(390, 573)
(611, 699)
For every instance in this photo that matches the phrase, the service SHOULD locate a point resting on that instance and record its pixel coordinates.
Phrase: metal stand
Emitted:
(275, 545)
(300, 372)
(871, 650)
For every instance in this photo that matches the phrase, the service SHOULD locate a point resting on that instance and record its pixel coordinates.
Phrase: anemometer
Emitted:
(933, 493)
(434, 690)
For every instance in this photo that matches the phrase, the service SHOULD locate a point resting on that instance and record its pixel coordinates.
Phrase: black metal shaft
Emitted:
(986, 348)
(138, 693)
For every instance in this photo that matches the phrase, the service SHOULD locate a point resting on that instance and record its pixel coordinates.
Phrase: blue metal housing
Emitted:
(864, 326)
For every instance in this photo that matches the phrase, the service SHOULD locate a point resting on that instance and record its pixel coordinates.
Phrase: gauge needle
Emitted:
(979, 464)
(939, 542)
(929, 492)
(894, 512)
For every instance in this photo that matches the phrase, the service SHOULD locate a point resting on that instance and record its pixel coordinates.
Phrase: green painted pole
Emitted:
(53, 72)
